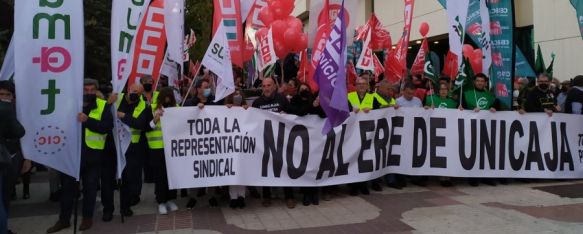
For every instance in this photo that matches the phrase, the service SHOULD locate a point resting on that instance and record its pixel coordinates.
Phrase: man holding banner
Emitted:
(97, 123)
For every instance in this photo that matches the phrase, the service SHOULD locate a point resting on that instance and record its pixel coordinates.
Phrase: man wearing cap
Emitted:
(96, 123)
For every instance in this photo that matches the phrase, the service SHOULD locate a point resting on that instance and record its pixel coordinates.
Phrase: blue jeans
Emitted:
(3, 218)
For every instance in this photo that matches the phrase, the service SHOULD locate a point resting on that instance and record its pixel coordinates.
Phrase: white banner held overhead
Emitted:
(7, 69)
(218, 146)
(49, 60)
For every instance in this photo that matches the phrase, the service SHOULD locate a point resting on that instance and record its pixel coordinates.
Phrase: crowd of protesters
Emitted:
(142, 107)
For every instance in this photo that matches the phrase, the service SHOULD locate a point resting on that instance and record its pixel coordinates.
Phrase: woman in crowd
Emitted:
(236, 192)
(164, 196)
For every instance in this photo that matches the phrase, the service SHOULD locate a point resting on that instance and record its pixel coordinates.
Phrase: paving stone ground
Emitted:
(542, 206)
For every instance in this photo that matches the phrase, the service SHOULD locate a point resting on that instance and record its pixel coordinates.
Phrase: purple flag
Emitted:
(331, 76)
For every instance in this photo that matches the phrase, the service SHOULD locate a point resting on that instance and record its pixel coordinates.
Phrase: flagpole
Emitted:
(190, 86)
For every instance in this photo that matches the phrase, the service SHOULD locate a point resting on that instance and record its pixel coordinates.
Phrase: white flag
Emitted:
(8, 65)
(485, 38)
(174, 25)
(457, 14)
(365, 61)
(266, 51)
(49, 64)
(218, 60)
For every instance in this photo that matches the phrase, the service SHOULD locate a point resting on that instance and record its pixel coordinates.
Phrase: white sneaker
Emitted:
(162, 209)
(172, 206)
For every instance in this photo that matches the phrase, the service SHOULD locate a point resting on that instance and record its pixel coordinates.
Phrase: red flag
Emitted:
(450, 66)
(150, 40)
(230, 12)
(351, 77)
(303, 71)
(419, 64)
(394, 72)
(378, 68)
(380, 37)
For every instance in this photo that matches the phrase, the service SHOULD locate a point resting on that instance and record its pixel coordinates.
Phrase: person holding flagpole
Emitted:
(135, 113)
(97, 123)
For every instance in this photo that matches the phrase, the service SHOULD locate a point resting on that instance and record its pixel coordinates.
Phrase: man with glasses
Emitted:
(540, 98)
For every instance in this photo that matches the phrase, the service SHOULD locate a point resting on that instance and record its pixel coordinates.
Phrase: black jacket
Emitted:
(574, 95)
(537, 101)
(277, 103)
(10, 129)
(142, 122)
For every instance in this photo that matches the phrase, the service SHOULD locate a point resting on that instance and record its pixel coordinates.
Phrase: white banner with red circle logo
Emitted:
(49, 60)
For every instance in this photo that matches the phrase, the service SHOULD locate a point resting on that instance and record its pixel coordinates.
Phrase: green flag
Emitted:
(465, 76)
(550, 68)
(429, 69)
(539, 63)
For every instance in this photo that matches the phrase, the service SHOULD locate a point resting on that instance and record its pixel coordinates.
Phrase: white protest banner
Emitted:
(49, 60)
(218, 146)
(7, 69)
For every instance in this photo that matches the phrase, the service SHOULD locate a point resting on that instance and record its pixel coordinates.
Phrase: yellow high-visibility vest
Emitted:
(95, 140)
(356, 103)
(137, 112)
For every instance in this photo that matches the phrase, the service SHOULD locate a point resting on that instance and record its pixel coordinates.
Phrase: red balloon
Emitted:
(295, 23)
(280, 50)
(476, 60)
(302, 43)
(279, 27)
(424, 29)
(291, 38)
(280, 9)
(468, 50)
(266, 16)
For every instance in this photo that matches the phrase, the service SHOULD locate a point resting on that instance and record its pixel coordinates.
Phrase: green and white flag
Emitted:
(49, 59)
(218, 60)
(457, 14)
(578, 4)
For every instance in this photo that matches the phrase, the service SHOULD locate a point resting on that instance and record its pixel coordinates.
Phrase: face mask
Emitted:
(515, 93)
(147, 87)
(237, 100)
(543, 86)
(134, 97)
(305, 93)
(89, 98)
(206, 92)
